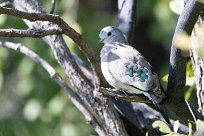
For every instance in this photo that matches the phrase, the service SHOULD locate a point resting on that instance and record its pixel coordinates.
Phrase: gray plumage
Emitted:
(124, 67)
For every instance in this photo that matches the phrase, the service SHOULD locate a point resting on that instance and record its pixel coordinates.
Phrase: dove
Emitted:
(125, 68)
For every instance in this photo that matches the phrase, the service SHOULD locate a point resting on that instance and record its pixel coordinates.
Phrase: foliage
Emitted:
(166, 130)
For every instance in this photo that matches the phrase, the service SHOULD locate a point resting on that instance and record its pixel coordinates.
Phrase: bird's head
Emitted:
(111, 34)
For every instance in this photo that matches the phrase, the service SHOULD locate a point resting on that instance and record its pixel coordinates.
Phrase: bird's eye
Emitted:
(109, 33)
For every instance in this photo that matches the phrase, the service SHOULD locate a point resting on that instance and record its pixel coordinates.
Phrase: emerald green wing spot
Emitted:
(135, 68)
(143, 75)
(130, 73)
(141, 80)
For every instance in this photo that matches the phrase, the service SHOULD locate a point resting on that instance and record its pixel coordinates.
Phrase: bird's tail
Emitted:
(161, 110)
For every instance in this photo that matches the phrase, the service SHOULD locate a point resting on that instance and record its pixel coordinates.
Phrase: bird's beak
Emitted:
(100, 42)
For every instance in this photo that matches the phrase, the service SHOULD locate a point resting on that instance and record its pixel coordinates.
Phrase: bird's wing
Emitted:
(129, 67)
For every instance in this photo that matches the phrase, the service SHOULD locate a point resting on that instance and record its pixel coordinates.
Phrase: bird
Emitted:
(124, 67)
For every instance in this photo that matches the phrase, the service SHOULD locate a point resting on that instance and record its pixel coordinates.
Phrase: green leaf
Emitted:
(165, 78)
(189, 69)
(200, 126)
(3, 19)
(163, 127)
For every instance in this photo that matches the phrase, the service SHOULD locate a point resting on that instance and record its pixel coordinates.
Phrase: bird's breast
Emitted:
(106, 73)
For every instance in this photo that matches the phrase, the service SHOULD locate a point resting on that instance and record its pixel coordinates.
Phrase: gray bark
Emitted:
(127, 18)
(196, 54)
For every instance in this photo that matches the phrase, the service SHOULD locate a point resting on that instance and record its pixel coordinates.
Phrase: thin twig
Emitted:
(53, 74)
(29, 33)
(189, 107)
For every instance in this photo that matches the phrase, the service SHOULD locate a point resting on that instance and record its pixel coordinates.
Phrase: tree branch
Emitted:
(196, 54)
(29, 33)
(54, 75)
(177, 69)
(127, 18)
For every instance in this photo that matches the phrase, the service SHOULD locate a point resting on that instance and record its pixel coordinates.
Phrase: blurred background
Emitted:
(31, 104)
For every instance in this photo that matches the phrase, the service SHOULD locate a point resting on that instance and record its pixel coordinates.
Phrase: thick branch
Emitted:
(196, 54)
(127, 18)
(177, 69)
(53, 74)
(29, 33)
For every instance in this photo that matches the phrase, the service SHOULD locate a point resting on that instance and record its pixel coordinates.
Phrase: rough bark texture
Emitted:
(196, 54)
(127, 18)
